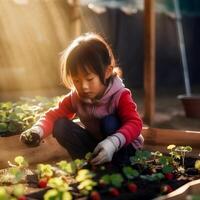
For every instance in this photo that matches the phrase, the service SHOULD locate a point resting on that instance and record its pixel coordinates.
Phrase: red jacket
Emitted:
(117, 99)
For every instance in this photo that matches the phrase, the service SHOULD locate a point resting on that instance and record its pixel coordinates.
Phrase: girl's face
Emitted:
(88, 85)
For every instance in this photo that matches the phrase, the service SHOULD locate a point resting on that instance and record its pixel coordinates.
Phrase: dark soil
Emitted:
(146, 189)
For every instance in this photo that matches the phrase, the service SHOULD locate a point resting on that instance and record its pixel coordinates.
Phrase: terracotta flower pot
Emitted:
(191, 105)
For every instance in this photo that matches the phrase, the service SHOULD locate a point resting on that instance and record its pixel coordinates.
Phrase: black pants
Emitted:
(78, 141)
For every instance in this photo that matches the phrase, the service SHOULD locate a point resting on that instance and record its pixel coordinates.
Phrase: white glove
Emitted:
(104, 150)
(32, 137)
(38, 130)
(139, 142)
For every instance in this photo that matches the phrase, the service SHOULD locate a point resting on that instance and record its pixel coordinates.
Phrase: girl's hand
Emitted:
(139, 142)
(30, 138)
(104, 151)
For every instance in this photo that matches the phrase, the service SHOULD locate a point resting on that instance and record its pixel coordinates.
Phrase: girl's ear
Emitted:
(108, 72)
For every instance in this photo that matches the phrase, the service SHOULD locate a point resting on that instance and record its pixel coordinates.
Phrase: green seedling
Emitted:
(4, 194)
(44, 170)
(60, 190)
(15, 193)
(183, 150)
(141, 157)
(16, 172)
(85, 181)
(129, 172)
(173, 153)
(19, 162)
(156, 155)
(167, 164)
(114, 180)
(16, 117)
(68, 167)
(71, 168)
(153, 177)
(197, 165)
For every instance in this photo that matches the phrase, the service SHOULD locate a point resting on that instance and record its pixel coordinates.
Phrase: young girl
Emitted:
(111, 125)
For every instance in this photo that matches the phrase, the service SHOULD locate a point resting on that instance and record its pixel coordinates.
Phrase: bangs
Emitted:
(84, 59)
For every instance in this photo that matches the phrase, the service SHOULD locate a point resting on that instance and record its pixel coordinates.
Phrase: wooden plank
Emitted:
(149, 61)
(158, 139)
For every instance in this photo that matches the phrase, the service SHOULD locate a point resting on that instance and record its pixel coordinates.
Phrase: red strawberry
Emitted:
(166, 189)
(43, 182)
(132, 187)
(22, 198)
(95, 195)
(169, 176)
(114, 192)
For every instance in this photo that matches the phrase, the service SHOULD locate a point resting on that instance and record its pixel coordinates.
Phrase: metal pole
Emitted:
(182, 47)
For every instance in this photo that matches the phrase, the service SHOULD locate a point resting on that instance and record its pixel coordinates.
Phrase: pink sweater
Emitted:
(116, 99)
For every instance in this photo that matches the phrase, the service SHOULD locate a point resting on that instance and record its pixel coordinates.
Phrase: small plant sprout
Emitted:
(19, 162)
(16, 172)
(88, 156)
(115, 180)
(44, 171)
(68, 167)
(4, 194)
(86, 183)
(130, 173)
(156, 155)
(167, 164)
(18, 190)
(14, 193)
(153, 177)
(173, 153)
(183, 150)
(141, 157)
(197, 165)
(71, 168)
(60, 190)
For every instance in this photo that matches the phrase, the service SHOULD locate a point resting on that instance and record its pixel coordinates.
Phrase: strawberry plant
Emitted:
(16, 117)
(17, 171)
(59, 190)
(78, 179)
(16, 193)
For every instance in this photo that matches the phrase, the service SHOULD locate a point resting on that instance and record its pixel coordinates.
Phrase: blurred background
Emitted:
(33, 33)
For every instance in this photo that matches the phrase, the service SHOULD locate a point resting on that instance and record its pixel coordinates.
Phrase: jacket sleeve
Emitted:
(130, 119)
(63, 109)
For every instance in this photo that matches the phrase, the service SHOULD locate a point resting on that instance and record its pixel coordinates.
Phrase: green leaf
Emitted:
(71, 168)
(167, 169)
(105, 179)
(51, 194)
(197, 165)
(171, 146)
(188, 148)
(116, 180)
(20, 160)
(129, 172)
(87, 184)
(88, 156)
(3, 194)
(153, 177)
(6, 105)
(84, 174)
(45, 170)
(18, 190)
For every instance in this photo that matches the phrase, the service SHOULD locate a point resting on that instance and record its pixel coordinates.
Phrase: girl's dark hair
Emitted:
(87, 52)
